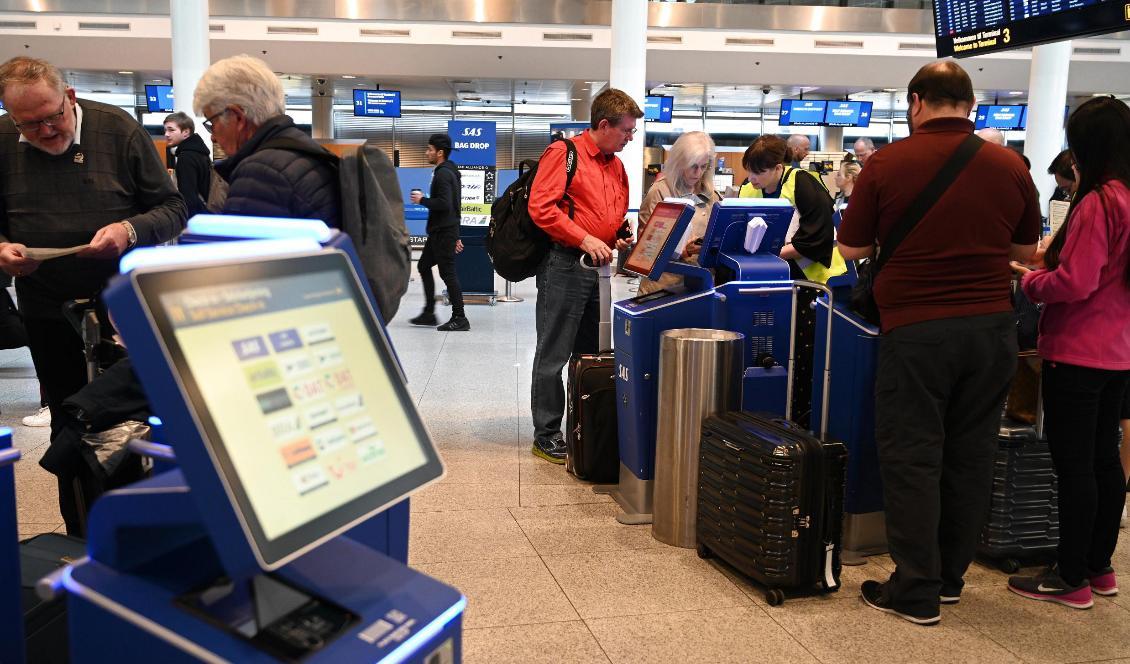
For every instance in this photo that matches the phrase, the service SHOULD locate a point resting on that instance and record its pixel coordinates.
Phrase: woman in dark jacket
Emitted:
(273, 168)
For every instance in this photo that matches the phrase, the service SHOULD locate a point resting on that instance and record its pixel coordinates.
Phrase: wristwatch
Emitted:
(131, 234)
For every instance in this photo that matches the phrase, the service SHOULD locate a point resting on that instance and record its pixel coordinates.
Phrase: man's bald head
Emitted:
(992, 135)
(799, 145)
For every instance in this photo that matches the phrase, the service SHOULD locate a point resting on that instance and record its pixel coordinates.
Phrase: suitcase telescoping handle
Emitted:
(825, 390)
(604, 287)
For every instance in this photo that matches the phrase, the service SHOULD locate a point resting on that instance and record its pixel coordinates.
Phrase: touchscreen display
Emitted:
(654, 238)
(304, 407)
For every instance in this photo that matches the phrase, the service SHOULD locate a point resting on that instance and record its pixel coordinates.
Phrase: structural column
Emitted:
(191, 55)
(322, 112)
(832, 139)
(629, 66)
(1047, 97)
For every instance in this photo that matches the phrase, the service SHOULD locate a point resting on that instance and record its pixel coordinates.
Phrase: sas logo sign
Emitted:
(472, 131)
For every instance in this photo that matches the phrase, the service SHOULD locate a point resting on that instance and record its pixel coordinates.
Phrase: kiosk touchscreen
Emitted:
(657, 244)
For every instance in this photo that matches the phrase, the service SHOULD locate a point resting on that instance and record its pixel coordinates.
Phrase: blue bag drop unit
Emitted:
(274, 376)
(755, 301)
(851, 420)
(388, 531)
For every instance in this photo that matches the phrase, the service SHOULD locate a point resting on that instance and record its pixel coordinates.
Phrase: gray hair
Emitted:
(690, 148)
(28, 71)
(242, 81)
(867, 142)
(992, 135)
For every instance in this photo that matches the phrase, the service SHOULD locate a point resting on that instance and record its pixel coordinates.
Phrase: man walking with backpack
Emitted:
(444, 213)
(582, 220)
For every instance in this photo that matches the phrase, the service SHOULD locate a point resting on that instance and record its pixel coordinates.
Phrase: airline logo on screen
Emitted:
(314, 411)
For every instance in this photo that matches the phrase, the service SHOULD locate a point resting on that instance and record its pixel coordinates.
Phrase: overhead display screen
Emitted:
(1005, 118)
(297, 393)
(965, 28)
(376, 103)
(658, 109)
(848, 114)
(802, 112)
(159, 98)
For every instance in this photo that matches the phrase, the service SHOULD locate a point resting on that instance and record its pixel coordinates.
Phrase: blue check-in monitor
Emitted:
(660, 238)
(802, 112)
(657, 108)
(159, 98)
(848, 114)
(376, 103)
(304, 427)
(1005, 118)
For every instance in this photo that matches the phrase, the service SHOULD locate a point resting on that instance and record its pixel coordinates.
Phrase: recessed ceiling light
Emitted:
(347, 76)
(890, 90)
(127, 73)
(577, 99)
(1102, 94)
(1016, 93)
(156, 80)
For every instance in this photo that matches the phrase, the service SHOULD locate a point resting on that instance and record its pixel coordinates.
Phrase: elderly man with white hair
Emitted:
(800, 146)
(864, 148)
(273, 168)
(992, 135)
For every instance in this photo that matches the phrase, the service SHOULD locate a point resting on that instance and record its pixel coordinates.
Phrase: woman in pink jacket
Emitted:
(1085, 346)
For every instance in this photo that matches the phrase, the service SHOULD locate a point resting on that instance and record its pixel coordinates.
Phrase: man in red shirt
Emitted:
(568, 301)
(948, 351)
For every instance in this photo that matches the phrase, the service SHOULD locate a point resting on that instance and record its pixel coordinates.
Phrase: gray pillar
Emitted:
(831, 139)
(191, 55)
(1047, 95)
(322, 116)
(629, 59)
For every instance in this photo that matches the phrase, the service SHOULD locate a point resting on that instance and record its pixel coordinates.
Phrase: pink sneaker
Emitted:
(1104, 582)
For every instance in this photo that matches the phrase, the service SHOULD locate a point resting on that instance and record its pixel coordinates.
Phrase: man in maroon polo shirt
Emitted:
(568, 301)
(949, 337)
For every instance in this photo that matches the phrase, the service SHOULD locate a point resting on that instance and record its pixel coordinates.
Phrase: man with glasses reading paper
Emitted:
(80, 184)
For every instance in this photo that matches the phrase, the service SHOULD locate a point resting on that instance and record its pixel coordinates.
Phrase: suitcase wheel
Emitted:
(775, 597)
(1009, 565)
(703, 551)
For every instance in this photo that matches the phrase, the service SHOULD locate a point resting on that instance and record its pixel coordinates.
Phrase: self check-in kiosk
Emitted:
(388, 531)
(275, 378)
(752, 301)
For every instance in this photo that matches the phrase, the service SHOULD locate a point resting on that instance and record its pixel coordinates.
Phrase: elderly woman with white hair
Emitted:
(688, 172)
(272, 167)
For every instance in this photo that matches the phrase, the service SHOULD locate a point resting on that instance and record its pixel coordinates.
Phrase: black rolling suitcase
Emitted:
(770, 498)
(45, 622)
(592, 449)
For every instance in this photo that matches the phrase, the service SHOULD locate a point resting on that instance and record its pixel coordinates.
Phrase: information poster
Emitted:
(474, 151)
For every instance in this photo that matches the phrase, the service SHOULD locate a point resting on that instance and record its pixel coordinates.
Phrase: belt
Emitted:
(571, 251)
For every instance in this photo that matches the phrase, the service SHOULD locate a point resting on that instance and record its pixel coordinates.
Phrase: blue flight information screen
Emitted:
(376, 103)
(657, 108)
(1005, 118)
(800, 112)
(964, 28)
(848, 114)
(159, 98)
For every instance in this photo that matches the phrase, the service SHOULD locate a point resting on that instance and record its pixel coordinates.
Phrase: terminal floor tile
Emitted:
(552, 577)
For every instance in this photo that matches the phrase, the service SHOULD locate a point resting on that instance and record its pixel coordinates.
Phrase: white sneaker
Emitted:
(40, 419)
(1122, 524)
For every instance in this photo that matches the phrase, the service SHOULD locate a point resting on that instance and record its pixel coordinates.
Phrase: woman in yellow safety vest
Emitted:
(811, 240)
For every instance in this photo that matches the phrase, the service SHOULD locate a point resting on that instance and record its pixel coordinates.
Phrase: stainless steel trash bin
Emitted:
(700, 373)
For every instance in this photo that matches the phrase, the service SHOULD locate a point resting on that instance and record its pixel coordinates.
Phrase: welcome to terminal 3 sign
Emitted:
(965, 28)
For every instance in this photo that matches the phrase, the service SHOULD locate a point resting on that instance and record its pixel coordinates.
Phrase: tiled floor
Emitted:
(552, 577)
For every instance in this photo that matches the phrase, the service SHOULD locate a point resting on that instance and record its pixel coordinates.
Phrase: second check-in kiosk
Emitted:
(274, 376)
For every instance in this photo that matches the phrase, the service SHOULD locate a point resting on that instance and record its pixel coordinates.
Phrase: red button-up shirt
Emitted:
(599, 191)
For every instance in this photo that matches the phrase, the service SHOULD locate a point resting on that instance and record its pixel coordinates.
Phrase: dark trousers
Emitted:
(1081, 413)
(60, 365)
(567, 320)
(440, 250)
(938, 397)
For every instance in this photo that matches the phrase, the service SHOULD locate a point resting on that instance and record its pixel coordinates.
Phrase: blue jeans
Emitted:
(568, 314)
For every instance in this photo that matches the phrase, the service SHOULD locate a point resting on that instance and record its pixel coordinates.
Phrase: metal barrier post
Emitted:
(509, 296)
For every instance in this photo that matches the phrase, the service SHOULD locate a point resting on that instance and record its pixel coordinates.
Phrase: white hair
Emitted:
(992, 135)
(867, 142)
(691, 148)
(242, 81)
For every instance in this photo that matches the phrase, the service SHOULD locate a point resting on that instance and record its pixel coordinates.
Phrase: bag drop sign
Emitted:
(473, 142)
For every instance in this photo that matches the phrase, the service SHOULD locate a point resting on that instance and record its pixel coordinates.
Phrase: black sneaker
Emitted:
(427, 318)
(1049, 586)
(456, 324)
(550, 449)
(949, 596)
(873, 596)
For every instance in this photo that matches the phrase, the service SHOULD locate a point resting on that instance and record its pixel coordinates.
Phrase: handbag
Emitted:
(12, 332)
(863, 293)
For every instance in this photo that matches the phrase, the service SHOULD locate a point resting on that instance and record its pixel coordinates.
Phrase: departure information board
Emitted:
(965, 28)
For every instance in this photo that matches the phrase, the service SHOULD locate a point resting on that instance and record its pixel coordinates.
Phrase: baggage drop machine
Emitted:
(278, 384)
(755, 299)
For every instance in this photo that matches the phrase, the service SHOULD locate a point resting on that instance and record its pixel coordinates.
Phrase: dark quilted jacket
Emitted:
(281, 183)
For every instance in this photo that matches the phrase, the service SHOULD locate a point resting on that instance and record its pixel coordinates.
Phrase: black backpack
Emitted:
(372, 215)
(515, 243)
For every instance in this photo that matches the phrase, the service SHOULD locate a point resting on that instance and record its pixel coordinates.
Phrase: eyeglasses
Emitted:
(628, 132)
(51, 120)
(208, 121)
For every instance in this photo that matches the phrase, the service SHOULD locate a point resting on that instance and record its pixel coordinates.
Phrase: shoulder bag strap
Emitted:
(926, 200)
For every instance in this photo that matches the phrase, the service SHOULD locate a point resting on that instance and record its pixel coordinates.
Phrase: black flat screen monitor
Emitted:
(848, 114)
(964, 28)
(802, 112)
(657, 108)
(295, 392)
(376, 103)
(1005, 118)
(159, 98)
(659, 238)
